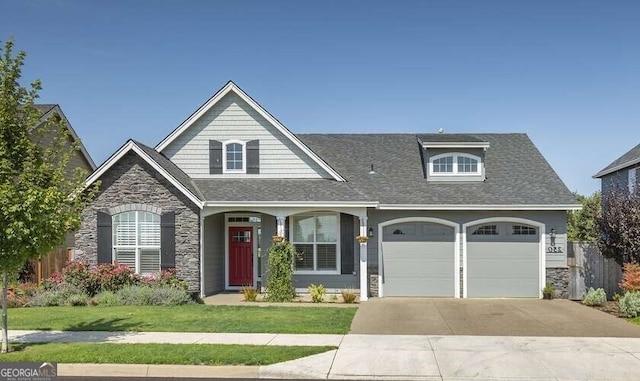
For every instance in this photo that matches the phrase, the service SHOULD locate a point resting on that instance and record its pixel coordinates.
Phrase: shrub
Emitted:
(152, 296)
(349, 296)
(57, 296)
(165, 278)
(77, 274)
(106, 298)
(629, 304)
(595, 297)
(317, 293)
(112, 277)
(249, 293)
(630, 277)
(548, 291)
(20, 294)
(279, 287)
(79, 299)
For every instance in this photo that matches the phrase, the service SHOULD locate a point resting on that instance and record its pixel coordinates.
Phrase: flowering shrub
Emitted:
(165, 278)
(630, 277)
(630, 304)
(110, 277)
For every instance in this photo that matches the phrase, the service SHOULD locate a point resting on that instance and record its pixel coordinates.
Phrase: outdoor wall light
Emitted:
(370, 232)
(552, 233)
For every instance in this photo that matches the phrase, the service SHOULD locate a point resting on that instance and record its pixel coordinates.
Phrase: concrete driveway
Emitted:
(486, 317)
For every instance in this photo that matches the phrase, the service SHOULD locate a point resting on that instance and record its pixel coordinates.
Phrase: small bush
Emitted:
(317, 293)
(165, 278)
(548, 291)
(111, 277)
(106, 298)
(249, 293)
(349, 296)
(57, 296)
(629, 304)
(279, 287)
(594, 297)
(630, 277)
(75, 300)
(333, 298)
(152, 296)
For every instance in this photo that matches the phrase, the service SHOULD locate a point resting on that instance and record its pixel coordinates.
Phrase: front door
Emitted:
(240, 256)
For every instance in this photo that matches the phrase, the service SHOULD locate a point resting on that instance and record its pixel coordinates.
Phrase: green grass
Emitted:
(187, 318)
(184, 354)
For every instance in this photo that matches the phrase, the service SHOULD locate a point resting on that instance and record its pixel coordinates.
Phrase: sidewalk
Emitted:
(397, 357)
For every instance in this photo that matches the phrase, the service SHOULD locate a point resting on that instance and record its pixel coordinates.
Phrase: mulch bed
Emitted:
(609, 307)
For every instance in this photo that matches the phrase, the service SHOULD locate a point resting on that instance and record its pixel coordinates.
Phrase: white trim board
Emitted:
(479, 207)
(232, 87)
(132, 146)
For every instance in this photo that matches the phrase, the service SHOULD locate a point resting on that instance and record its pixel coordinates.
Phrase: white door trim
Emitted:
(517, 220)
(456, 249)
(254, 240)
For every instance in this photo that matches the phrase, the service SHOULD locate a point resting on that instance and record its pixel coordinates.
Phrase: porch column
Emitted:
(280, 225)
(364, 276)
(202, 290)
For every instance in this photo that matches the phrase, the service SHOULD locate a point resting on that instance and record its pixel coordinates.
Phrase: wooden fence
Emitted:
(50, 263)
(588, 268)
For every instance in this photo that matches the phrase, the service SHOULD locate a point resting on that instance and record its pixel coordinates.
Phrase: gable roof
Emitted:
(164, 166)
(632, 157)
(47, 111)
(232, 87)
(517, 175)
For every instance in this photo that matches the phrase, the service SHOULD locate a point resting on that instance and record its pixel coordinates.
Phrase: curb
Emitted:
(168, 371)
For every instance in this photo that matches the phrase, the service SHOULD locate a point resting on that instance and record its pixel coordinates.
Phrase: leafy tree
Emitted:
(41, 197)
(620, 226)
(583, 224)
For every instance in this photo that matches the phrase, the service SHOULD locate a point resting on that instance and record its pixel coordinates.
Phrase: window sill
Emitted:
(311, 272)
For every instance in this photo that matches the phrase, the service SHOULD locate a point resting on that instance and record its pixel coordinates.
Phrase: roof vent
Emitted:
(372, 172)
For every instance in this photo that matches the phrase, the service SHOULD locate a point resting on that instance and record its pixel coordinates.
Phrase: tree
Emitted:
(583, 224)
(620, 226)
(41, 197)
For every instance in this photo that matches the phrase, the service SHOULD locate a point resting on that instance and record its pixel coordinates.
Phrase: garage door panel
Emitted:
(418, 268)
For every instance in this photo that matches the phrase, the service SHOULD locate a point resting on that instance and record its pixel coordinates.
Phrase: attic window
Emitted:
(454, 164)
(234, 157)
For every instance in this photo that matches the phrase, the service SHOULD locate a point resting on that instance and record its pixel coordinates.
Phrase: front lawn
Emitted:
(185, 318)
(183, 354)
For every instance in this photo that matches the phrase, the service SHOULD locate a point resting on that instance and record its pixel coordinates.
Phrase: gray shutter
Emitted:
(105, 239)
(168, 240)
(215, 157)
(347, 242)
(253, 157)
(286, 229)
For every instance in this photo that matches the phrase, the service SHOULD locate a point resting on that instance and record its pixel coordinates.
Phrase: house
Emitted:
(55, 261)
(622, 173)
(451, 215)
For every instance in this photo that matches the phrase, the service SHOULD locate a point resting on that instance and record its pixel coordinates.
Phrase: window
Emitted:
(486, 230)
(454, 164)
(234, 157)
(523, 230)
(316, 240)
(136, 241)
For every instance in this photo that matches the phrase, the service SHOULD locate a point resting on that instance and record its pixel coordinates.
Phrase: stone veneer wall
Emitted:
(559, 278)
(373, 285)
(132, 181)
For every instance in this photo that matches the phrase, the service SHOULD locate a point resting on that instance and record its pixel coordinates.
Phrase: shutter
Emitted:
(347, 242)
(168, 240)
(215, 157)
(105, 244)
(286, 229)
(253, 157)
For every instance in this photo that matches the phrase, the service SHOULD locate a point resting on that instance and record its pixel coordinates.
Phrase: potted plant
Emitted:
(362, 238)
(548, 291)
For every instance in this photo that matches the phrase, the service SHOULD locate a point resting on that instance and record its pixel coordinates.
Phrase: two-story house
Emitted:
(449, 215)
(621, 173)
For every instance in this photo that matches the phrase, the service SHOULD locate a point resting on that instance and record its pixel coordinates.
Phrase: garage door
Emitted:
(503, 260)
(418, 259)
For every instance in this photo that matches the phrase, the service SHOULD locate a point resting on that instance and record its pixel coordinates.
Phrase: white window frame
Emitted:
(137, 247)
(337, 271)
(455, 172)
(224, 156)
(632, 179)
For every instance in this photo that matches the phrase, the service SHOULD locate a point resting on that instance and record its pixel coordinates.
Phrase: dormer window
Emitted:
(234, 157)
(455, 163)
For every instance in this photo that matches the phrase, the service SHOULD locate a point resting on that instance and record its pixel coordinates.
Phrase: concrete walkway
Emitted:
(397, 357)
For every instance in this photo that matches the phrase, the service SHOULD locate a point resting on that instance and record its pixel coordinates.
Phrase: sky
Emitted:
(567, 73)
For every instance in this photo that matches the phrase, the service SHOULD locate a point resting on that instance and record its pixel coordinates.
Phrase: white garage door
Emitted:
(503, 260)
(418, 259)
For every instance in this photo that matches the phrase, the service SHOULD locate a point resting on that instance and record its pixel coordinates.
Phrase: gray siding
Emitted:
(214, 254)
(618, 179)
(233, 119)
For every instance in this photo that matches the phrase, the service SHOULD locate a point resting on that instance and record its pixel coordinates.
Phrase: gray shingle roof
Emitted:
(170, 167)
(516, 172)
(628, 159)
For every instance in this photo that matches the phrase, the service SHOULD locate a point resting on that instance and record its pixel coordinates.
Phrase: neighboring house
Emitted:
(622, 173)
(54, 261)
(453, 215)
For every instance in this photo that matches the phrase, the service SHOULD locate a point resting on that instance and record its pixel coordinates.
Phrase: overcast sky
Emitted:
(567, 73)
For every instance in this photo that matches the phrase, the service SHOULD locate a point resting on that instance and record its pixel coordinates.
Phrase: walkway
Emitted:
(415, 357)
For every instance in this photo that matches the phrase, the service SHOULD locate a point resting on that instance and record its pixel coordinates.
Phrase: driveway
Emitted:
(486, 317)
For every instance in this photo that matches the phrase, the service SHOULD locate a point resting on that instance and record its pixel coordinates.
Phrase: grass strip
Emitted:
(175, 354)
(186, 318)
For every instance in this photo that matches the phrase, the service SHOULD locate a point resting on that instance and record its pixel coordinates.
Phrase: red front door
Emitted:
(240, 256)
